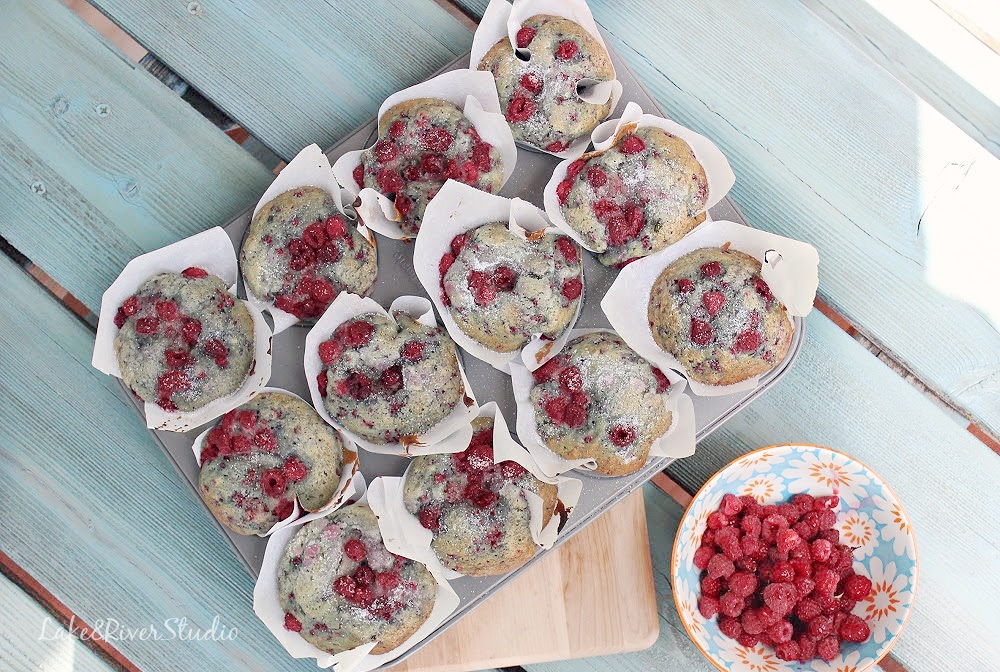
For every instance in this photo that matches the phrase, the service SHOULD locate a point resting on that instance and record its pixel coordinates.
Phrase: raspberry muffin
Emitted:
(264, 454)
(299, 254)
(539, 96)
(183, 340)
(501, 289)
(713, 311)
(387, 382)
(340, 587)
(476, 508)
(598, 399)
(635, 198)
(422, 143)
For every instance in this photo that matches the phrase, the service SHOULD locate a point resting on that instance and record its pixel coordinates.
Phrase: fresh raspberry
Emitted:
(751, 622)
(566, 50)
(520, 109)
(386, 581)
(562, 190)
(747, 341)
(828, 502)
(356, 333)
(622, 435)
(430, 518)
(573, 169)
(828, 648)
(662, 382)
(787, 650)
(731, 505)
(742, 583)
(854, 629)
(701, 332)
(821, 550)
(413, 350)
(708, 606)
(730, 627)
(272, 482)
(821, 626)
(804, 585)
(567, 249)
(805, 530)
(748, 640)
(524, 37)
(787, 540)
(572, 288)
(846, 605)
(504, 278)
(570, 379)
(720, 566)
(355, 550)
(711, 586)
(780, 597)
(363, 575)
(781, 631)
(717, 520)
(807, 609)
(194, 272)
(292, 623)
(750, 525)
(857, 587)
(807, 647)
(596, 177)
(833, 536)
(703, 555)
(711, 270)
(731, 604)
(359, 175)
(631, 144)
(532, 82)
(685, 286)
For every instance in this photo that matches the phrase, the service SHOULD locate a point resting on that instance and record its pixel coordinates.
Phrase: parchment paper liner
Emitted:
(268, 607)
(677, 441)
(504, 448)
(789, 267)
(345, 489)
(475, 93)
(501, 19)
(213, 251)
(450, 435)
(717, 170)
(309, 168)
(456, 209)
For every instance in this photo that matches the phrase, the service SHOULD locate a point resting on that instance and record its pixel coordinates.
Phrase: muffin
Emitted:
(539, 95)
(501, 289)
(388, 381)
(476, 509)
(270, 450)
(712, 310)
(422, 143)
(183, 340)
(340, 587)
(597, 399)
(636, 197)
(299, 254)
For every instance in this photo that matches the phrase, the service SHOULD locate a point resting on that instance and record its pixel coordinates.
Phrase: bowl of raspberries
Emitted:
(794, 557)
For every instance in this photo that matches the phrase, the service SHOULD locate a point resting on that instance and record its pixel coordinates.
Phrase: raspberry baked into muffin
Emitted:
(299, 254)
(598, 399)
(501, 289)
(712, 310)
(476, 509)
(183, 340)
(422, 143)
(387, 381)
(264, 454)
(539, 96)
(636, 197)
(340, 587)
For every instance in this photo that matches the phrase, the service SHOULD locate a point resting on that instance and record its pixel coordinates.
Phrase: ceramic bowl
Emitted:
(869, 517)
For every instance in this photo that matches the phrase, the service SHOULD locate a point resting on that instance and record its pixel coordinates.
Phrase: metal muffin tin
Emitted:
(395, 278)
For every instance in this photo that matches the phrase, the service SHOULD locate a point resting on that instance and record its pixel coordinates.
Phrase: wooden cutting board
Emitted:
(592, 596)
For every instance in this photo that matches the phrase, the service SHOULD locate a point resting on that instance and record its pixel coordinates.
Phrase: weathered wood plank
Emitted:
(829, 148)
(295, 74)
(931, 53)
(94, 511)
(102, 162)
(30, 639)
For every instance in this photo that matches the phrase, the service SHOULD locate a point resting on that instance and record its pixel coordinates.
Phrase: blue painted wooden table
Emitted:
(869, 129)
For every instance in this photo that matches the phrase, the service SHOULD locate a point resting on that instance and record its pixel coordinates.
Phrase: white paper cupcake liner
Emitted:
(717, 170)
(677, 441)
(450, 435)
(459, 208)
(504, 448)
(472, 91)
(789, 267)
(309, 168)
(267, 606)
(213, 251)
(345, 489)
(503, 20)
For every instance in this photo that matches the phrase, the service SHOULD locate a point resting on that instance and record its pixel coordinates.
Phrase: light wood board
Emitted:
(592, 596)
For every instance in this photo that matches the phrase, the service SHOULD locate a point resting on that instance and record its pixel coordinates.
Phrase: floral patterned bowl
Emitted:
(869, 517)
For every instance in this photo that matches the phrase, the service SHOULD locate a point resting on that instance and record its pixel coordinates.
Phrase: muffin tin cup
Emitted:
(789, 267)
(475, 94)
(456, 209)
(677, 441)
(267, 605)
(450, 435)
(719, 174)
(345, 490)
(503, 20)
(213, 251)
(309, 168)
(504, 448)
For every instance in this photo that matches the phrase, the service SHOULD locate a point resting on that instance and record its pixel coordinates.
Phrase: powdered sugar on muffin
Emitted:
(712, 310)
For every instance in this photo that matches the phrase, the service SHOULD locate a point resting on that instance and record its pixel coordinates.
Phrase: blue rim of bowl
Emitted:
(674, 559)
